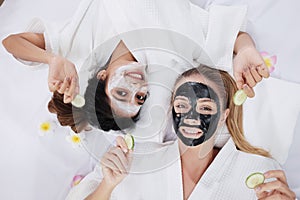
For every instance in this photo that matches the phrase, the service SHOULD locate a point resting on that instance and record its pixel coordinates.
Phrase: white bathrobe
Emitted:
(96, 21)
(156, 174)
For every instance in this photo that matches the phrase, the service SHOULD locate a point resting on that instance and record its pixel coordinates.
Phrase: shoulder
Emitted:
(254, 161)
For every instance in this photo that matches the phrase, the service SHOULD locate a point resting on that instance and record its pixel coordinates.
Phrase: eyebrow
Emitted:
(203, 100)
(181, 98)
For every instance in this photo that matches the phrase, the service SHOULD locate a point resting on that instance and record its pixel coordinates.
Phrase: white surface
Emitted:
(35, 167)
(32, 167)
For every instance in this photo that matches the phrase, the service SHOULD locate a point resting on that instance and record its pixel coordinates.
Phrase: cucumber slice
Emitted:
(239, 97)
(78, 101)
(129, 141)
(254, 180)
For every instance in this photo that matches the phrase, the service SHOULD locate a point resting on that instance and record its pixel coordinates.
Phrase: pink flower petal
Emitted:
(271, 69)
(264, 53)
(274, 59)
(76, 180)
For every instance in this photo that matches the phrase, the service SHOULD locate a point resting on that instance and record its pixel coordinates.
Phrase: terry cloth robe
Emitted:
(156, 174)
(96, 21)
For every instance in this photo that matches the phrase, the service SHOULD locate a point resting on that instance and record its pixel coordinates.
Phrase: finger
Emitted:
(274, 196)
(71, 91)
(249, 91)
(108, 164)
(275, 185)
(249, 79)
(261, 194)
(54, 86)
(263, 71)
(77, 86)
(64, 86)
(279, 174)
(255, 75)
(121, 156)
(129, 157)
(67, 98)
(117, 163)
(122, 144)
(239, 79)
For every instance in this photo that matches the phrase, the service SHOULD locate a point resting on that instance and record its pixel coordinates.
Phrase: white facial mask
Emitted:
(132, 78)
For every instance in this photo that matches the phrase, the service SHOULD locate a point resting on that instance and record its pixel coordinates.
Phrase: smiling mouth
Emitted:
(135, 75)
(191, 132)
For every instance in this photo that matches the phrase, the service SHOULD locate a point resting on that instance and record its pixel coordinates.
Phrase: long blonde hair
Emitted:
(226, 89)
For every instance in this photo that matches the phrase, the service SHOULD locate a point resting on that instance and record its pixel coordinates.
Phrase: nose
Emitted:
(192, 121)
(134, 80)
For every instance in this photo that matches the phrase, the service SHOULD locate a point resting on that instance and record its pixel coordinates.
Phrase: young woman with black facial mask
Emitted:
(192, 167)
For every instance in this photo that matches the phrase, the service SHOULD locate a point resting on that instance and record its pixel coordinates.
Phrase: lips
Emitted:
(136, 75)
(190, 132)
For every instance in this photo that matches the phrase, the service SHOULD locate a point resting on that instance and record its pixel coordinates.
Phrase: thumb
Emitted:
(122, 144)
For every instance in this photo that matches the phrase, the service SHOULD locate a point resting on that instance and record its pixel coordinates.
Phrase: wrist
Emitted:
(245, 48)
(243, 42)
(107, 186)
(50, 57)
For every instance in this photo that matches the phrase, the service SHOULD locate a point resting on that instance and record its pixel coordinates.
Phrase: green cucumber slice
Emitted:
(254, 180)
(239, 97)
(129, 139)
(78, 101)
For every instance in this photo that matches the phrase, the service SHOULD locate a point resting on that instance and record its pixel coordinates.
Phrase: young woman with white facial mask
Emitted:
(113, 97)
(191, 167)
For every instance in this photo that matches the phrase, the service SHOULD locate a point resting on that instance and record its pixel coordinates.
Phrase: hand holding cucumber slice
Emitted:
(254, 180)
(129, 139)
(239, 97)
(78, 101)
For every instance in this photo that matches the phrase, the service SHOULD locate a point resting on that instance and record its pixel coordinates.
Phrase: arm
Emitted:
(28, 46)
(115, 165)
(62, 72)
(248, 65)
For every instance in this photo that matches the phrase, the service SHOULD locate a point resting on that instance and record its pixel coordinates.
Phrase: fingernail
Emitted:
(125, 150)
(257, 189)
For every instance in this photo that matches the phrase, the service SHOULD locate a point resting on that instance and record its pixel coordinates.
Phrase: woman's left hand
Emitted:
(63, 77)
(277, 189)
(248, 69)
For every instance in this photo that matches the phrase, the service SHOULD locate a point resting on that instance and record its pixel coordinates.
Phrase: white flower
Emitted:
(75, 139)
(47, 127)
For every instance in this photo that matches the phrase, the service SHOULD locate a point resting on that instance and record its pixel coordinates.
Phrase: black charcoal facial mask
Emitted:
(191, 122)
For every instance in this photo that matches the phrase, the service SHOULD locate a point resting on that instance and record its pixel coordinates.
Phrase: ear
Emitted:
(225, 115)
(101, 75)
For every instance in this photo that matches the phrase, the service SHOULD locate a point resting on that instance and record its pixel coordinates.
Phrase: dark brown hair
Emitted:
(96, 111)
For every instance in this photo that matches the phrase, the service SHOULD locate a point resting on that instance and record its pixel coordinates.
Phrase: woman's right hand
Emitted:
(277, 189)
(63, 77)
(116, 163)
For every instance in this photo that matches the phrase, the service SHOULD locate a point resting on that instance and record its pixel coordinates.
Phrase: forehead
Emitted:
(197, 78)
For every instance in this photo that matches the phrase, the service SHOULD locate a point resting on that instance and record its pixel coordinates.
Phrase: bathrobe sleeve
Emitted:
(87, 185)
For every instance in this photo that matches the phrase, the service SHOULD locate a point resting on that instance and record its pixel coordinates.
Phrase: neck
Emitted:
(121, 53)
(196, 160)
(194, 163)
